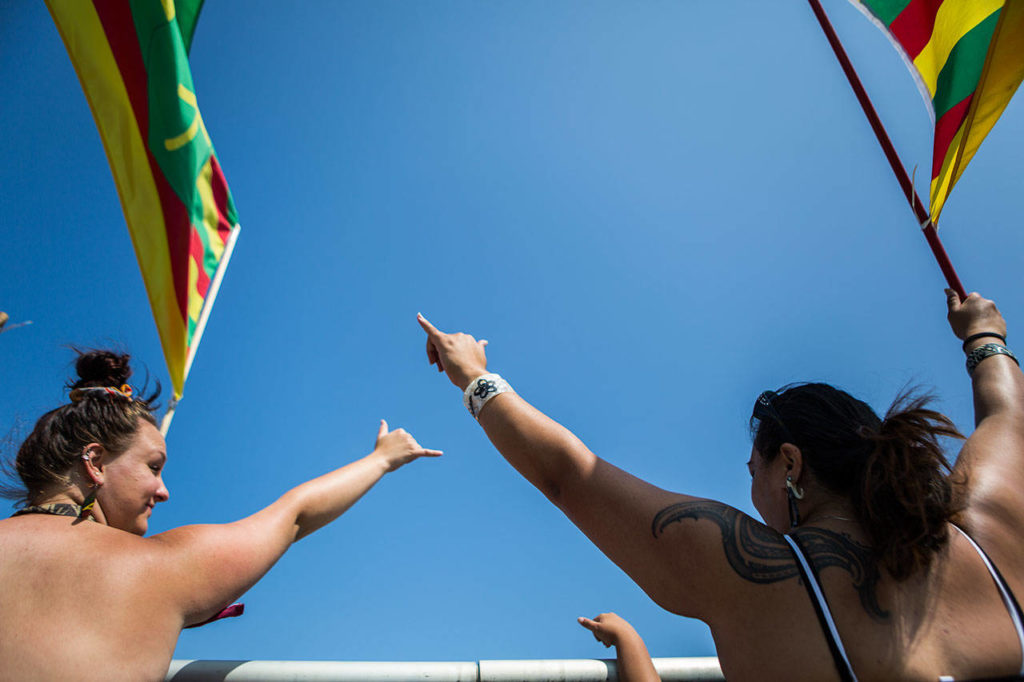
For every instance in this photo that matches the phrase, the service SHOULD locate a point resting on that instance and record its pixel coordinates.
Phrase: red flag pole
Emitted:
(890, 153)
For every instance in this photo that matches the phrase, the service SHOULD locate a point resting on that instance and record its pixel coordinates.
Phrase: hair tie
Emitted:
(79, 394)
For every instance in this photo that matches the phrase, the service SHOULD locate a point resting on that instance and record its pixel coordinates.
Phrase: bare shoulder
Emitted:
(753, 551)
(726, 560)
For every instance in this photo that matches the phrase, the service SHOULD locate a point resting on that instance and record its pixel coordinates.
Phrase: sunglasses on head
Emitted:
(763, 409)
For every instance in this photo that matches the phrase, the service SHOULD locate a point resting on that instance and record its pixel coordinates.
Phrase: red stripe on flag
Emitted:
(116, 18)
(220, 199)
(945, 131)
(913, 27)
(197, 253)
(119, 27)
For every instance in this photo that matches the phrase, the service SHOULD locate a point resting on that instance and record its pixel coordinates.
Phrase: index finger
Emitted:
(430, 329)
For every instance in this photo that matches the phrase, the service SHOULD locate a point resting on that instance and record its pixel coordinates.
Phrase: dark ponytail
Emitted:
(906, 498)
(893, 472)
(109, 418)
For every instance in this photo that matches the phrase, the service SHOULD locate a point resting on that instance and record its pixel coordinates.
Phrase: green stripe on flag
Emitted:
(187, 14)
(176, 136)
(886, 10)
(961, 72)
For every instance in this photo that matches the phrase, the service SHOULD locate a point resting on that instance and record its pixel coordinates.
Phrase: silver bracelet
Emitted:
(986, 351)
(482, 389)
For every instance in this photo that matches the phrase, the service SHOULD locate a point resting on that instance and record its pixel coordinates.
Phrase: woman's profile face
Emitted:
(133, 481)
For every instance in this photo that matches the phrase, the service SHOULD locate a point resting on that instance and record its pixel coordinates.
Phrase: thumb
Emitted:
(483, 343)
(383, 431)
(588, 624)
(952, 300)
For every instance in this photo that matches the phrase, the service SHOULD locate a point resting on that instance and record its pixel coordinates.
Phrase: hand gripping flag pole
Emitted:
(927, 226)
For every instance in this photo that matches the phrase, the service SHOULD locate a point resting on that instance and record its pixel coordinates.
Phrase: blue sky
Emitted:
(652, 210)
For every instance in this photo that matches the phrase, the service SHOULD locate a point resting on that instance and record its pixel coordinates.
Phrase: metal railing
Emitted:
(580, 670)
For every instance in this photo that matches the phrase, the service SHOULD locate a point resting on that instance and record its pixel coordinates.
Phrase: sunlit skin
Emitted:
(130, 595)
(131, 482)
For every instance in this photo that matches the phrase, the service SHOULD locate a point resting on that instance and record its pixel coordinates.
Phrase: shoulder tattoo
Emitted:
(760, 555)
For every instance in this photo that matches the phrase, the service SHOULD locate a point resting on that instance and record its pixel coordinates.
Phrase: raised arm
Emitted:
(992, 459)
(673, 546)
(205, 567)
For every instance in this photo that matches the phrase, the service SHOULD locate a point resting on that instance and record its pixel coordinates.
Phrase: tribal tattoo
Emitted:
(760, 555)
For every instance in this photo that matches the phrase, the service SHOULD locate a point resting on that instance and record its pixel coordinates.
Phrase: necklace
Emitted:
(54, 509)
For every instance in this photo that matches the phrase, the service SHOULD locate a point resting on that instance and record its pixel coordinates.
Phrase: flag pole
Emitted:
(927, 226)
(204, 315)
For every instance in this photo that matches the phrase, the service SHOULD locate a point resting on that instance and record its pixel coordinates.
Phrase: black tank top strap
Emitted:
(828, 625)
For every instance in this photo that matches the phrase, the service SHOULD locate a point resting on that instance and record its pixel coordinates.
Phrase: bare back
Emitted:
(949, 621)
(87, 591)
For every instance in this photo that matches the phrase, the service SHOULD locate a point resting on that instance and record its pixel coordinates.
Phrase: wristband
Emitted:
(482, 389)
(987, 351)
(982, 335)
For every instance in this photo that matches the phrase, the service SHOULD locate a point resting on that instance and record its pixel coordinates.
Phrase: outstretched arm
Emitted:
(669, 544)
(634, 662)
(992, 459)
(208, 566)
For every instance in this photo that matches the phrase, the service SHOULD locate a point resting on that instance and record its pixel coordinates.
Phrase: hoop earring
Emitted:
(793, 493)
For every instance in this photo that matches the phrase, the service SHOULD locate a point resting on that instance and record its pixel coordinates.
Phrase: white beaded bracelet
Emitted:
(482, 389)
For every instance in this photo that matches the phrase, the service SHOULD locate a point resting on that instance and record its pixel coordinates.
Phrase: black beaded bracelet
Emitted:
(982, 335)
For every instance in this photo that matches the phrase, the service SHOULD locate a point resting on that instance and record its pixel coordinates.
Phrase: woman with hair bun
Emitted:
(84, 595)
(874, 560)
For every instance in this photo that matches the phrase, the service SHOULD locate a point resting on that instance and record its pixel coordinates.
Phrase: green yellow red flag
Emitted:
(131, 57)
(968, 59)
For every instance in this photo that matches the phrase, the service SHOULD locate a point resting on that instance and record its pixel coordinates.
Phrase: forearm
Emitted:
(546, 453)
(316, 503)
(634, 662)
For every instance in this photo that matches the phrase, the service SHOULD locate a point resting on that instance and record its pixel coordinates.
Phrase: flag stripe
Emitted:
(946, 128)
(213, 223)
(886, 10)
(104, 88)
(913, 27)
(953, 21)
(130, 59)
(222, 197)
(960, 74)
(206, 227)
(943, 182)
(119, 29)
(968, 59)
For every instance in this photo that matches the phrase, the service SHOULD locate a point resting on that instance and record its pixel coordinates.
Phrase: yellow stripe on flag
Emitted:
(955, 19)
(97, 70)
(195, 301)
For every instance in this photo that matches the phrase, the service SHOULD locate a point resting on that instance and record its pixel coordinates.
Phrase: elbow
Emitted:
(560, 484)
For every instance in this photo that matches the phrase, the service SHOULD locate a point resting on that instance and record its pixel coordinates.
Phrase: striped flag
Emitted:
(131, 57)
(968, 59)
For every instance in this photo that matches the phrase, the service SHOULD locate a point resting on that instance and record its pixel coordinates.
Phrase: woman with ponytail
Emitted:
(874, 560)
(85, 596)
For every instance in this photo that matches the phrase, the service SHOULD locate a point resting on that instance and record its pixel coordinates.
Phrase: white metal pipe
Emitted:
(582, 670)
